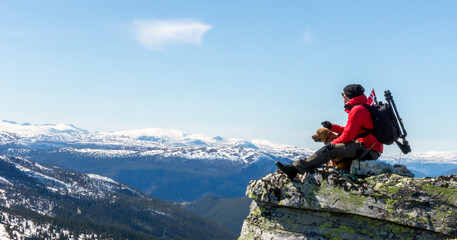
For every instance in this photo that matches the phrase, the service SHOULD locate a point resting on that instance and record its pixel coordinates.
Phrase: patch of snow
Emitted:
(101, 178)
(3, 234)
(3, 195)
(5, 181)
(40, 176)
(153, 152)
(158, 212)
(41, 167)
(62, 127)
(52, 189)
(104, 152)
(162, 213)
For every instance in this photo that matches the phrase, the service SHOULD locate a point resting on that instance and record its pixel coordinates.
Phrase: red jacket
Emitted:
(359, 117)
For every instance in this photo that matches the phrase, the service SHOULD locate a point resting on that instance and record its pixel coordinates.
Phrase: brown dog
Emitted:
(326, 136)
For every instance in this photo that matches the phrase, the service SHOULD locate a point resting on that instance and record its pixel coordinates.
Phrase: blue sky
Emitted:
(246, 69)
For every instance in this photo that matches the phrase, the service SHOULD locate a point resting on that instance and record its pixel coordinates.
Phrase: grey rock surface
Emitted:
(371, 168)
(326, 203)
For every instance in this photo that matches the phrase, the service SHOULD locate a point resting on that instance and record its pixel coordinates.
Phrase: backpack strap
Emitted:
(364, 134)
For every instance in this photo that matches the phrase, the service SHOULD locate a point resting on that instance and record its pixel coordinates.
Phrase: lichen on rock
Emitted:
(326, 203)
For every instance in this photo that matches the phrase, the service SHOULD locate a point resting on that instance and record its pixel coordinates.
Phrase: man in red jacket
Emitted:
(350, 144)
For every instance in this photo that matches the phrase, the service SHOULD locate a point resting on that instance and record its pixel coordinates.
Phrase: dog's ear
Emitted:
(326, 132)
(322, 131)
(328, 136)
(325, 135)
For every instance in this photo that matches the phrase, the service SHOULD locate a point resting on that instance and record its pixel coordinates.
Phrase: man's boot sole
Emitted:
(281, 167)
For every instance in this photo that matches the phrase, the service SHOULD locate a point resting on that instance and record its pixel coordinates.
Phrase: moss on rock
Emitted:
(407, 204)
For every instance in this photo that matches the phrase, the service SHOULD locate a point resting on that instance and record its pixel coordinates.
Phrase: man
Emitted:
(351, 143)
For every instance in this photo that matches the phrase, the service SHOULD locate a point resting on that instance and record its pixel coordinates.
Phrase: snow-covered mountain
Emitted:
(426, 164)
(169, 143)
(16, 137)
(432, 157)
(31, 135)
(156, 160)
(38, 201)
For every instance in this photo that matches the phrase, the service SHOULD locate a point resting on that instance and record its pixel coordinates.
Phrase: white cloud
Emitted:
(308, 38)
(156, 34)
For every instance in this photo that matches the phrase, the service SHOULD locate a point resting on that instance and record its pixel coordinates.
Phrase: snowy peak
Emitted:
(172, 137)
(28, 130)
(150, 134)
(45, 136)
(24, 134)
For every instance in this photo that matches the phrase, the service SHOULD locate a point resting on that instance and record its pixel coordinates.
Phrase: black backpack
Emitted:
(387, 124)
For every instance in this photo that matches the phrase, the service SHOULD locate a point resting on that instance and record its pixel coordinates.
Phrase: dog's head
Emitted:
(324, 135)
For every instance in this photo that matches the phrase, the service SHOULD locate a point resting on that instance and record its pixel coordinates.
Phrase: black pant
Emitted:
(351, 150)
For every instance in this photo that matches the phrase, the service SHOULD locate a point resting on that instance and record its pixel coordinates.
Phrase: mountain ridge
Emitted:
(92, 202)
(155, 160)
(26, 135)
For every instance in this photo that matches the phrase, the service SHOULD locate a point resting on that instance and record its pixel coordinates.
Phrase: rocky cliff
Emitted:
(326, 203)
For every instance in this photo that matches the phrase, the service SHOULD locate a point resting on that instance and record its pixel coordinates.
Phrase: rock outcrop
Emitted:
(371, 168)
(326, 203)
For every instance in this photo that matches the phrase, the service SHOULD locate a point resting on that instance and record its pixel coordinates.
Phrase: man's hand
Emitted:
(327, 125)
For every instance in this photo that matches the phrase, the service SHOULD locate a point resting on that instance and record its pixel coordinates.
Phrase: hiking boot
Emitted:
(288, 169)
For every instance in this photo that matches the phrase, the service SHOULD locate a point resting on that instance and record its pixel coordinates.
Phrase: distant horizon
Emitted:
(392, 150)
